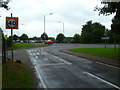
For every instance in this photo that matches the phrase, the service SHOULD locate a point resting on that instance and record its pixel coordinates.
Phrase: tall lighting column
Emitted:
(63, 26)
(45, 22)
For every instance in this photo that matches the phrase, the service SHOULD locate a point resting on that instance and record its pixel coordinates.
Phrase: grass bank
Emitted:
(89, 43)
(43, 45)
(102, 52)
(25, 45)
(16, 75)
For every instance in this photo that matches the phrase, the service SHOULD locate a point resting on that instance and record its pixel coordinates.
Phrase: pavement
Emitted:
(114, 63)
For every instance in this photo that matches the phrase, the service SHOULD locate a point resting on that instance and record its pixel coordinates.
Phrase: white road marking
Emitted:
(61, 60)
(33, 59)
(102, 80)
(66, 62)
(46, 59)
(30, 53)
(38, 53)
(33, 54)
(39, 76)
(37, 68)
(108, 65)
(42, 52)
(36, 57)
(53, 64)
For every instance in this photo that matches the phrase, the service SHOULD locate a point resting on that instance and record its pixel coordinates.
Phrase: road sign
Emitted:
(105, 38)
(11, 22)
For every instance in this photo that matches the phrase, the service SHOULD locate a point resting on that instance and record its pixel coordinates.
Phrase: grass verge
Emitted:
(25, 45)
(89, 43)
(16, 75)
(43, 45)
(102, 52)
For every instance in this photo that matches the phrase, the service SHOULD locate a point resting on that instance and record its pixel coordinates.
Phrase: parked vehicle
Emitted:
(49, 42)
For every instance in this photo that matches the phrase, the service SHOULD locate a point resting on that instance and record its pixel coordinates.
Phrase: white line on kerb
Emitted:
(66, 62)
(52, 64)
(45, 59)
(102, 80)
(62, 60)
(39, 76)
(36, 57)
(108, 65)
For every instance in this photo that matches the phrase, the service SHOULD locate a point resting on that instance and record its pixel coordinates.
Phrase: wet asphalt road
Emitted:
(59, 70)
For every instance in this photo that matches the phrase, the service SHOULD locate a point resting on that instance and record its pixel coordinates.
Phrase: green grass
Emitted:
(16, 75)
(25, 45)
(89, 43)
(102, 52)
(43, 45)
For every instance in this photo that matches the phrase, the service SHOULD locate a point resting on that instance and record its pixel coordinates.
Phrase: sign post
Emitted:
(105, 38)
(12, 23)
(115, 28)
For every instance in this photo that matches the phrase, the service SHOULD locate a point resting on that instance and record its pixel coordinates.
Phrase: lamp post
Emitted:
(44, 23)
(63, 26)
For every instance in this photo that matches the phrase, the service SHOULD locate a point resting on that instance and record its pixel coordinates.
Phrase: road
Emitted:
(60, 70)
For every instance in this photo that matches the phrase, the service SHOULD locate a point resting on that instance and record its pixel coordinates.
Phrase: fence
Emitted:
(2, 46)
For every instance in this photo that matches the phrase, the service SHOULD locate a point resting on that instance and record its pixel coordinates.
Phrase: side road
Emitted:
(21, 54)
(94, 58)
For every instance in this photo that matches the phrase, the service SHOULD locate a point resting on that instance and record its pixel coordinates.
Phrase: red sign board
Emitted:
(11, 22)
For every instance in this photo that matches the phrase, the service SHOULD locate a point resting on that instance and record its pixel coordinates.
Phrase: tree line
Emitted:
(90, 33)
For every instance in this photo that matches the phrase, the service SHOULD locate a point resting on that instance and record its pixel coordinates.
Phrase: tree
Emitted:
(60, 38)
(110, 8)
(68, 39)
(76, 38)
(8, 42)
(24, 37)
(4, 4)
(86, 32)
(52, 39)
(92, 32)
(15, 37)
(44, 36)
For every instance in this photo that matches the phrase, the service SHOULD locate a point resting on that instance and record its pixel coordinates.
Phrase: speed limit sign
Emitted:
(11, 22)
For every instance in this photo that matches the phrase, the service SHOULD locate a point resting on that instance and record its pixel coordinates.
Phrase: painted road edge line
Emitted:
(108, 65)
(66, 62)
(102, 80)
(53, 64)
(61, 60)
(39, 76)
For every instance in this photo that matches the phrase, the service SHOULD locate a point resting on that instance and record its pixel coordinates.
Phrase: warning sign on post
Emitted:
(11, 22)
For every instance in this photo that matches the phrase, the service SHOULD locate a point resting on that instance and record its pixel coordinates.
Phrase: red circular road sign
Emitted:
(11, 22)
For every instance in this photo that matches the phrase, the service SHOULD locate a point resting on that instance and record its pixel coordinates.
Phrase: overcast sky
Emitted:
(74, 14)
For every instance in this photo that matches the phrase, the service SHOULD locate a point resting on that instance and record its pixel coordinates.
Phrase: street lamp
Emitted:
(44, 24)
(63, 25)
